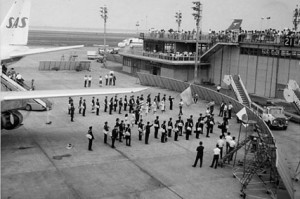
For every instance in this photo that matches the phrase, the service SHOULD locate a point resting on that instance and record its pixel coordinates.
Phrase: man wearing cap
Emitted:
(91, 138)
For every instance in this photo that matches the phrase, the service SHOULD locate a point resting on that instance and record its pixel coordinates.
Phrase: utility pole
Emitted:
(103, 11)
(178, 17)
(197, 16)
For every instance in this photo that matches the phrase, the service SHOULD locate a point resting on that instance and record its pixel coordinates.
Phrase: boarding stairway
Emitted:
(215, 48)
(11, 85)
(292, 94)
(236, 84)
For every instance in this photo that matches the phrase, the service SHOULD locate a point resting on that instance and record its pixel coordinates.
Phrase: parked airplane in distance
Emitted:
(131, 42)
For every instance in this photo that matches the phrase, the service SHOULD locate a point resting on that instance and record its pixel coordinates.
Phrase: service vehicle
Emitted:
(275, 118)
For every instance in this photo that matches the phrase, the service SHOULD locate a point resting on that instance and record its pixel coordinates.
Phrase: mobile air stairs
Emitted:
(292, 94)
(10, 85)
(236, 84)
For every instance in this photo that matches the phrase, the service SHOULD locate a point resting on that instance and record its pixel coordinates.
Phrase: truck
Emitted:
(275, 118)
(94, 55)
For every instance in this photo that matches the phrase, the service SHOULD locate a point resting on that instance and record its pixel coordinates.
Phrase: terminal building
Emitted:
(265, 66)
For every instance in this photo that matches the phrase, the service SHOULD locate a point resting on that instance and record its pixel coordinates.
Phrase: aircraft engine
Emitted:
(11, 119)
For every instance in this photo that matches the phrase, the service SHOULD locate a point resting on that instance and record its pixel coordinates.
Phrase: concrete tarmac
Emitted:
(35, 162)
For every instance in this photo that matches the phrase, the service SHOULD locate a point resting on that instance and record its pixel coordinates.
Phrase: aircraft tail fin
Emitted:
(15, 27)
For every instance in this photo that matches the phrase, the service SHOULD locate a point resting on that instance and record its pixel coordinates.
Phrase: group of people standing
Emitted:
(139, 107)
(110, 80)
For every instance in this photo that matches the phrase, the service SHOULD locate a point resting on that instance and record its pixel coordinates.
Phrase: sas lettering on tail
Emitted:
(17, 23)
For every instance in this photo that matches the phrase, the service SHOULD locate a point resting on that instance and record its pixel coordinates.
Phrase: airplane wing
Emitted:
(18, 95)
(21, 53)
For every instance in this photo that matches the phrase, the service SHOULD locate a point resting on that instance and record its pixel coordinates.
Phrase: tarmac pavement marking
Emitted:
(149, 174)
(75, 193)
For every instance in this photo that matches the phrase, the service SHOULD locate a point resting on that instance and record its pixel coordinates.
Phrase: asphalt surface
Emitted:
(35, 162)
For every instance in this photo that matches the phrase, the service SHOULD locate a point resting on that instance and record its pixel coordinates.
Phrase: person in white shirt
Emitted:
(225, 110)
(180, 107)
(100, 81)
(85, 80)
(232, 145)
(221, 143)
(228, 138)
(90, 80)
(216, 157)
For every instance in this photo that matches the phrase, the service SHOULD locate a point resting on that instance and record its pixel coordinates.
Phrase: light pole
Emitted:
(178, 17)
(103, 11)
(197, 16)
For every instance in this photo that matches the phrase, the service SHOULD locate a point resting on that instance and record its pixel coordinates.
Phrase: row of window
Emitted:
(289, 54)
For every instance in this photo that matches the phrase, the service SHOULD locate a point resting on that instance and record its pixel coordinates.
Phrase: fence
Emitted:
(208, 94)
(65, 65)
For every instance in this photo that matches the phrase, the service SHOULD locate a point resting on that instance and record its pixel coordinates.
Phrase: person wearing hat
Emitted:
(114, 135)
(90, 137)
(105, 131)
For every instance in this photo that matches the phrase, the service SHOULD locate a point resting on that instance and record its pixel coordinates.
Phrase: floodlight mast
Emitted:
(197, 16)
(103, 11)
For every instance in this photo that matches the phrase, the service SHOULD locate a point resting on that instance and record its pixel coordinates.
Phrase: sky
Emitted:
(158, 14)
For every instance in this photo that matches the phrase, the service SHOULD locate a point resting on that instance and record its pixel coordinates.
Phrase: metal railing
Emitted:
(253, 114)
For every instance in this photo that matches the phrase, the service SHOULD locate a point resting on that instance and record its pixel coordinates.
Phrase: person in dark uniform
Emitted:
(147, 133)
(158, 97)
(156, 127)
(80, 105)
(91, 138)
(199, 156)
(164, 98)
(180, 125)
(121, 130)
(70, 102)
(120, 105)
(128, 135)
(105, 131)
(201, 125)
(163, 132)
(171, 102)
(97, 106)
(176, 132)
(105, 104)
(72, 112)
(93, 104)
(114, 80)
(170, 127)
(115, 103)
(131, 104)
(188, 129)
(125, 103)
(223, 126)
(198, 129)
(191, 120)
(111, 104)
(114, 135)
(137, 115)
(85, 80)
(84, 108)
(208, 125)
(141, 129)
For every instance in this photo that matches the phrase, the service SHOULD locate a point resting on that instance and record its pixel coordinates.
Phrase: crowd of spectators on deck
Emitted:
(234, 36)
(262, 36)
